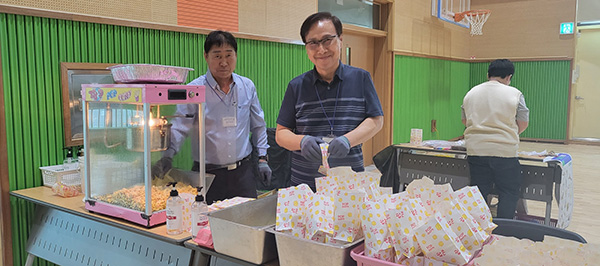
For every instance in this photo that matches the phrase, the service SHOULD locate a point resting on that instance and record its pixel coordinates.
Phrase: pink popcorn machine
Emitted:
(126, 129)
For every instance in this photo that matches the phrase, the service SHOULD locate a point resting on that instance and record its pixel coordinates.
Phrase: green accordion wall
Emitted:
(426, 89)
(545, 86)
(32, 49)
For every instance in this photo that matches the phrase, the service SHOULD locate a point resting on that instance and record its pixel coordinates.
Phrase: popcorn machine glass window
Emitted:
(125, 133)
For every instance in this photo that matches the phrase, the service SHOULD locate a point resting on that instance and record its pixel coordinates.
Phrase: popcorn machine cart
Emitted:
(124, 134)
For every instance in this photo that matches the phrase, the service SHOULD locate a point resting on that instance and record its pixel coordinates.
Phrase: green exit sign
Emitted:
(567, 28)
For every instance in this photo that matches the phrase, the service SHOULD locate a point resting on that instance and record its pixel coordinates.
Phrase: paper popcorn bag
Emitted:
(414, 261)
(403, 219)
(291, 208)
(432, 262)
(439, 242)
(347, 225)
(327, 186)
(373, 192)
(319, 217)
(341, 173)
(324, 168)
(417, 187)
(473, 201)
(186, 214)
(469, 233)
(378, 242)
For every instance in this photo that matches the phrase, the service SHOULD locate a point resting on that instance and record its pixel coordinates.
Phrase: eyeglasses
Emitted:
(326, 42)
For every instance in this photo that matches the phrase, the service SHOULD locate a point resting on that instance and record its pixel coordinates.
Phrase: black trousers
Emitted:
(505, 174)
(231, 183)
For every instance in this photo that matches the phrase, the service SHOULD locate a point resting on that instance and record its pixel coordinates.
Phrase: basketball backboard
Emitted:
(445, 10)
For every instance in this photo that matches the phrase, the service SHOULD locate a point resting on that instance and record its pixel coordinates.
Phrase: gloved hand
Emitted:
(309, 148)
(265, 172)
(339, 147)
(162, 166)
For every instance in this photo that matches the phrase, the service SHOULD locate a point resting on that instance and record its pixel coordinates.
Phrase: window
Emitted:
(362, 13)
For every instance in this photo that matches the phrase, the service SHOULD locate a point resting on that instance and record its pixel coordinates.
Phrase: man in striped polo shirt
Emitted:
(332, 102)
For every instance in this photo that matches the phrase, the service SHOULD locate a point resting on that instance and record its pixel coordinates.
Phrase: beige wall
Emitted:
(524, 29)
(417, 31)
(275, 18)
(158, 11)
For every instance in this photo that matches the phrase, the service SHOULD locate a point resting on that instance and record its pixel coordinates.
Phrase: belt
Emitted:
(231, 166)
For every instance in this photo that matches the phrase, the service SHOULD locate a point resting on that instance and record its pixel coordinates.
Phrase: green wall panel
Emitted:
(545, 86)
(428, 89)
(32, 49)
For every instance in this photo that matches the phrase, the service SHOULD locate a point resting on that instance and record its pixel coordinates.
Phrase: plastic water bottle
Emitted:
(69, 163)
(199, 211)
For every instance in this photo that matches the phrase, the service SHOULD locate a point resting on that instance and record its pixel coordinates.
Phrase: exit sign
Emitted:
(567, 28)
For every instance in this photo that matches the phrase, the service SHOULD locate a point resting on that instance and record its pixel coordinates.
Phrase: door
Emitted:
(358, 51)
(586, 90)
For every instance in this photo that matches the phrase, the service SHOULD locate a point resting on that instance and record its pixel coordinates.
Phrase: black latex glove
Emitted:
(162, 166)
(265, 173)
(309, 148)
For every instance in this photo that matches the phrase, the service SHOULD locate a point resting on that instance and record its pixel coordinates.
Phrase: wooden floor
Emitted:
(586, 179)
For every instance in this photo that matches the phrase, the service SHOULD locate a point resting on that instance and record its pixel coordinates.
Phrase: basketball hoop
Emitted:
(476, 19)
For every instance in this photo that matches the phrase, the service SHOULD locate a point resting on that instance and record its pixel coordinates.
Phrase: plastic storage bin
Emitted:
(51, 173)
(358, 255)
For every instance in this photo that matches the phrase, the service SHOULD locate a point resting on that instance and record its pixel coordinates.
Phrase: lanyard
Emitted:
(231, 102)
(332, 120)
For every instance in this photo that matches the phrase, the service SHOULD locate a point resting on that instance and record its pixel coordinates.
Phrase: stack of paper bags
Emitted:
(291, 209)
(378, 242)
(473, 201)
(439, 242)
(319, 218)
(347, 224)
(404, 215)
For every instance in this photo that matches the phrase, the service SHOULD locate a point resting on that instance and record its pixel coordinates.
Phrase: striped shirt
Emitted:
(314, 107)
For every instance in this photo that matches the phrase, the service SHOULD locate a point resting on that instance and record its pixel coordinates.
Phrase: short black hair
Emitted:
(315, 18)
(219, 38)
(501, 68)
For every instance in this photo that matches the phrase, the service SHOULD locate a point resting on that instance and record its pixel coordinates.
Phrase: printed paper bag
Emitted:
(341, 173)
(326, 186)
(439, 242)
(414, 261)
(373, 192)
(346, 224)
(291, 206)
(463, 225)
(378, 242)
(472, 200)
(319, 217)
(432, 262)
(418, 187)
(403, 219)
(324, 168)
(186, 214)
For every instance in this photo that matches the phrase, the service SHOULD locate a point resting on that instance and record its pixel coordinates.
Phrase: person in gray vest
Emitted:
(494, 114)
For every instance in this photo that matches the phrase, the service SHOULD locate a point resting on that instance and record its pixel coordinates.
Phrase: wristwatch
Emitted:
(264, 157)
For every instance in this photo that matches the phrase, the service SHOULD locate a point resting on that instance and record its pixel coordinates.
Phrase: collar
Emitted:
(212, 82)
(339, 73)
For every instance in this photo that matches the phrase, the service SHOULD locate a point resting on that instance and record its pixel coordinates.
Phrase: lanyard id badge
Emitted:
(229, 121)
(329, 138)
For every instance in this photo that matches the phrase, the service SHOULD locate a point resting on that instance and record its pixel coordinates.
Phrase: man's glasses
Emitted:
(326, 42)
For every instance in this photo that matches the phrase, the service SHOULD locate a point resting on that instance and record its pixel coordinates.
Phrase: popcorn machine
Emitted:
(125, 132)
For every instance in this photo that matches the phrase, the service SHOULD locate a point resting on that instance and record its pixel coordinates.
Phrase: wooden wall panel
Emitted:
(159, 11)
(218, 15)
(417, 31)
(278, 18)
(524, 29)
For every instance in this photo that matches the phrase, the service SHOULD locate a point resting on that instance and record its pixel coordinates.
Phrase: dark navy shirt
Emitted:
(313, 107)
